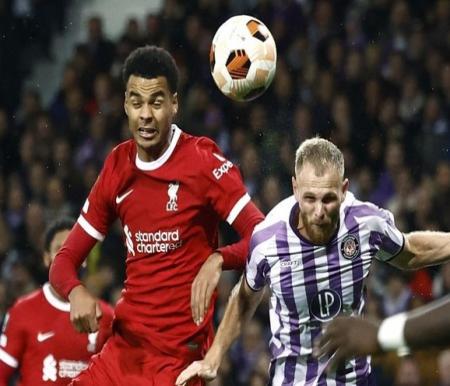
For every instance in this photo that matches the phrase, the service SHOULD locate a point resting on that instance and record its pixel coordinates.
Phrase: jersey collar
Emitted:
(153, 165)
(53, 300)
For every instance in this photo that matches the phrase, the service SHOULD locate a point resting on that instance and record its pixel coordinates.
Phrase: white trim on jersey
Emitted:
(237, 208)
(8, 359)
(153, 165)
(89, 229)
(53, 300)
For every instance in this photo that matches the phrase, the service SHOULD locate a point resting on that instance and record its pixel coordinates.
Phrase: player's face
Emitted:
(150, 107)
(320, 199)
(55, 245)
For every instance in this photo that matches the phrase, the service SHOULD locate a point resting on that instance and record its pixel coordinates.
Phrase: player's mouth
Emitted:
(147, 132)
(321, 225)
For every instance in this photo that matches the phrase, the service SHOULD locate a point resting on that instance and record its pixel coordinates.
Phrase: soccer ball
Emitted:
(243, 58)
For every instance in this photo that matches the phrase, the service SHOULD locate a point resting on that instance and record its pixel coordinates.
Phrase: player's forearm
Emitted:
(64, 269)
(429, 325)
(422, 328)
(428, 248)
(239, 310)
(235, 255)
(6, 373)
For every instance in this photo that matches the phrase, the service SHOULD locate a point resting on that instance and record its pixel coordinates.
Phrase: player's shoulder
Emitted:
(200, 146)
(120, 154)
(276, 219)
(352, 207)
(29, 302)
(282, 210)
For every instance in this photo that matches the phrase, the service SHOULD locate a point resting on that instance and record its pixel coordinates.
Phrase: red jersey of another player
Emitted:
(170, 210)
(39, 339)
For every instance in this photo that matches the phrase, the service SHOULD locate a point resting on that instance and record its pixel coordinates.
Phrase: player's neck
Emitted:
(56, 295)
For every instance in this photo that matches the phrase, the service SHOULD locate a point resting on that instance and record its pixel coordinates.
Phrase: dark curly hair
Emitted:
(59, 225)
(150, 62)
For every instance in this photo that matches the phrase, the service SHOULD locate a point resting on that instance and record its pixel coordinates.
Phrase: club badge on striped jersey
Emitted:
(350, 247)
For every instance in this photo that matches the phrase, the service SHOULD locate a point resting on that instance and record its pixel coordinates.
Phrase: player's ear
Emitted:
(125, 103)
(47, 259)
(175, 103)
(345, 185)
(294, 186)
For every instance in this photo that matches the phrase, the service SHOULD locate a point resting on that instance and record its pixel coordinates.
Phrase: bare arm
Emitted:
(429, 325)
(241, 307)
(423, 248)
(229, 257)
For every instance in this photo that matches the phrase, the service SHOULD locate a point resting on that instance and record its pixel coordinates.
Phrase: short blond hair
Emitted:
(320, 153)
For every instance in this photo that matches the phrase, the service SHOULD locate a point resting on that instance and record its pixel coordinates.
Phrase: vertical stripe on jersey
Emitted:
(309, 271)
(362, 368)
(262, 267)
(335, 283)
(357, 263)
(272, 368)
(289, 300)
(275, 351)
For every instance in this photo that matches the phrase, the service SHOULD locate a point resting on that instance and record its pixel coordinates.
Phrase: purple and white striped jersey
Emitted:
(311, 284)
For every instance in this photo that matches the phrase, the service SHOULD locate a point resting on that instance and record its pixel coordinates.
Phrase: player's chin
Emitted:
(146, 143)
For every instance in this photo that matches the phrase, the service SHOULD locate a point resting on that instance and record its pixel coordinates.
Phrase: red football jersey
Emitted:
(39, 339)
(170, 210)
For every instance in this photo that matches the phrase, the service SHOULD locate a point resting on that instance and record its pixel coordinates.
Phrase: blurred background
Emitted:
(371, 75)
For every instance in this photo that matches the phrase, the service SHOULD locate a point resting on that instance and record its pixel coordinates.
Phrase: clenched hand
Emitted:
(85, 311)
(202, 369)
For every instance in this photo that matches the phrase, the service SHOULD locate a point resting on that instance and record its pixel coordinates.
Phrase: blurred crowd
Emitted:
(373, 76)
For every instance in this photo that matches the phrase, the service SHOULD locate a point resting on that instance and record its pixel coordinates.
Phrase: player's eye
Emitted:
(329, 199)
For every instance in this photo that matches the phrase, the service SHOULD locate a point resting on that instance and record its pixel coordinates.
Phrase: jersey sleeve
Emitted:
(105, 326)
(98, 210)
(13, 338)
(223, 186)
(388, 239)
(257, 267)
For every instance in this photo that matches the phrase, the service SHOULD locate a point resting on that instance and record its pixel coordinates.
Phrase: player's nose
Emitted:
(319, 211)
(146, 112)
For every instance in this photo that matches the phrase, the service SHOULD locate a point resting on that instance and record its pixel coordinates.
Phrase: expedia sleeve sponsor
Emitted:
(222, 169)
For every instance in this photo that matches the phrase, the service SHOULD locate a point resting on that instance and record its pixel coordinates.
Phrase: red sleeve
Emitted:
(12, 343)
(98, 211)
(5, 373)
(235, 255)
(222, 186)
(92, 225)
(226, 193)
(64, 269)
(105, 327)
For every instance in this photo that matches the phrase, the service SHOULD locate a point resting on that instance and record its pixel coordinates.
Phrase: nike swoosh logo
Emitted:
(119, 199)
(44, 336)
